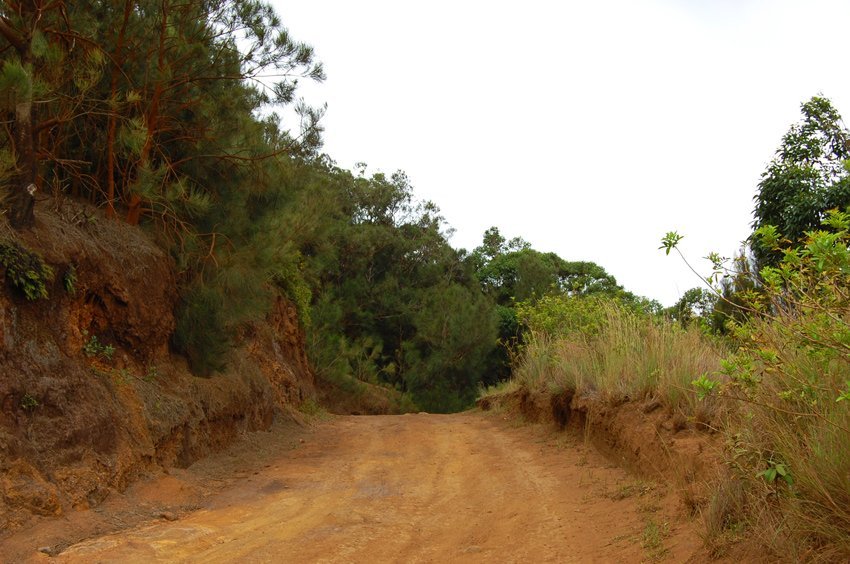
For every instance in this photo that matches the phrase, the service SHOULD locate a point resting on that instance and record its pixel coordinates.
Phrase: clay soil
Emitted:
(470, 487)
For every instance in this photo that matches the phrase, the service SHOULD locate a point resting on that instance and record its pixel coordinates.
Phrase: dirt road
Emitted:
(413, 488)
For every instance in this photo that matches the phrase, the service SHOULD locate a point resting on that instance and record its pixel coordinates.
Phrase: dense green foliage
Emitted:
(515, 276)
(805, 179)
(395, 304)
(168, 118)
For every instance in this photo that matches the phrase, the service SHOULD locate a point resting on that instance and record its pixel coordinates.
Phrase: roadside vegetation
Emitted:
(761, 352)
(601, 346)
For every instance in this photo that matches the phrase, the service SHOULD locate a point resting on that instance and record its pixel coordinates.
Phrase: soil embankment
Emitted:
(643, 436)
(413, 488)
(92, 398)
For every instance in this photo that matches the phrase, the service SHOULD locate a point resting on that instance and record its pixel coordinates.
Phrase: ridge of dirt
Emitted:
(642, 436)
(78, 425)
(470, 487)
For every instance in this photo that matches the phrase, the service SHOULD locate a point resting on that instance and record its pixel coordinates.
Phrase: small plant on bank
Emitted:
(121, 376)
(94, 348)
(28, 402)
(69, 281)
(151, 374)
(704, 386)
(313, 410)
(26, 270)
(777, 470)
(653, 539)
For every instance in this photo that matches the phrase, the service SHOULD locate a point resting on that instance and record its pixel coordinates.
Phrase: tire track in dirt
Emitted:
(417, 488)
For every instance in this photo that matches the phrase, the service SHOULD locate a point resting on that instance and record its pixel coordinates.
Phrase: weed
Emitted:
(649, 507)
(724, 514)
(94, 348)
(620, 538)
(314, 412)
(637, 487)
(69, 281)
(121, 376)
(776, 470)
(704, 386)
(28, 402)
(151, 374)
(653, 539)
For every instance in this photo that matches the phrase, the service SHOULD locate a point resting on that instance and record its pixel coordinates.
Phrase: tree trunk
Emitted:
(21, 213)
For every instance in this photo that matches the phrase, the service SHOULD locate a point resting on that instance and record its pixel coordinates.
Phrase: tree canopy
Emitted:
(806, 178)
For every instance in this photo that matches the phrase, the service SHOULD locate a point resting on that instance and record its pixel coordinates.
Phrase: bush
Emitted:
(789, 430)
(561, 315)
(26, 270)
(214, 307)
(201, 333)
(791, 435)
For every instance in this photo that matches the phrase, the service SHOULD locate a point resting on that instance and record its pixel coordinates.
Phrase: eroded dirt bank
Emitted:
(413, 488)
(92, 396)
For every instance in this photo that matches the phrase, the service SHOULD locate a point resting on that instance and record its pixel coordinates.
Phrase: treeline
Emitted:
(184, 117)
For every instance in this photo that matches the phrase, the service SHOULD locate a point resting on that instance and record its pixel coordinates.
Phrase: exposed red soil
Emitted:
(413, 488)
(644, 437)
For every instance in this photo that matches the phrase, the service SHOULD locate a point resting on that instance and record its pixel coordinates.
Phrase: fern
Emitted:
(26, 270)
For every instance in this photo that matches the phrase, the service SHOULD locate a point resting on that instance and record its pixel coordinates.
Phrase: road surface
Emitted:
(412, 488)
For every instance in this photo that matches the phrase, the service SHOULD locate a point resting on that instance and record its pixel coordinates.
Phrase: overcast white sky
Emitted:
(588, 128)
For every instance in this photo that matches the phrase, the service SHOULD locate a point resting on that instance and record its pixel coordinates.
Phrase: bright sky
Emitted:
(588, 128)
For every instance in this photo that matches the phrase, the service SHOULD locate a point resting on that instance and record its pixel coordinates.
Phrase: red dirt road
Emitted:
(413, 488)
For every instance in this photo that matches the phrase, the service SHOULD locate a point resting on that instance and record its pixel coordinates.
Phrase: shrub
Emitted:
(792, 437)
(69, 280)
(789, 434)
(26, 270)
(290, 280)
(560, 315)
(201, 333)
(29, 402)
(94, 348)
(214, 307)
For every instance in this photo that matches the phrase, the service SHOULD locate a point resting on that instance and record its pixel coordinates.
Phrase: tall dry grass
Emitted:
(631, 356)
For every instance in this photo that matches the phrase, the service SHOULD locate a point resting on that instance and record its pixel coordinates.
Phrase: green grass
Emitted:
(653, 539)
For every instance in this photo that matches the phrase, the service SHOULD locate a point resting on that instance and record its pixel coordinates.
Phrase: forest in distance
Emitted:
(175, 117)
